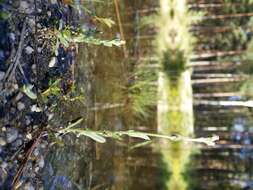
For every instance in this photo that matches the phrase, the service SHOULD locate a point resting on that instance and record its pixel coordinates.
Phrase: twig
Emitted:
(120, 27)
(27, 156)
(13, 66)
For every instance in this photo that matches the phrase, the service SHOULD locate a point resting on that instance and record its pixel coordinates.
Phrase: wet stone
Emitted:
(15, 86)
(4, 165)
(34, 68)
(29, 136)
(19, 96)
(3, 176)
(17, 143)
(37, 169)
(11, 135)
(36, 152)
(20, 106)
(29, 50)
(24, 7)
(2, 75)
(13, 110)
(29, 186)
(41, 162)
(2, 141)
(12, 37)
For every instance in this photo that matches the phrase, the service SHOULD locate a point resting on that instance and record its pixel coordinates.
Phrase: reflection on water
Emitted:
(175, 111)
(110, 86)
(175, 116)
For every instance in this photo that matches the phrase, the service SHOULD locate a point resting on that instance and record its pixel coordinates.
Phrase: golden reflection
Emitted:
(175, 111)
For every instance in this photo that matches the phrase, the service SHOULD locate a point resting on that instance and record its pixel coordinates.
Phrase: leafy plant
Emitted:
(100, 136)
(53, 90)
(27, 89)
(66, 37)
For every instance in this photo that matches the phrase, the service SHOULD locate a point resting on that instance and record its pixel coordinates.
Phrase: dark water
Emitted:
(119, 165)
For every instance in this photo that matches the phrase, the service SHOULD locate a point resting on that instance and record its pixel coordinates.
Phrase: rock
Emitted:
(19, 96)
(41, 162)
(3, 176)
(13, 110)
(4, 165)
(20, 106)
(2, 75)
(2, 57)
(11, 135)
(36, 152)
(29, 136)
(15, 86)
(17, 143)
(12, 37)
(34, 68)
(49, 14)
(50, 116)
(24, 7)
(29, 186)
(37, 169)
(29, 50)
(52, 63)
(44, 144)
(2, 141)
(35, 108)
(35, 127)
(53, 1)
(27, 121)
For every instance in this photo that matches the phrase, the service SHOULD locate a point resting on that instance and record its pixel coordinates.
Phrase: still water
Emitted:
(106, 75)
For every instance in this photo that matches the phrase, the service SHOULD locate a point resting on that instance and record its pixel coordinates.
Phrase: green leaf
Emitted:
(107, 21)
(137, 135)
(52, 62)
(79, 39)
(27, 89)
(74, 124)
(93, 135)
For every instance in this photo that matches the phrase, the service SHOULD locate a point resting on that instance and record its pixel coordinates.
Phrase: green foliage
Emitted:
(27, 89)
(53, 90)
(99, 136)
(67, 36)
(106, 21)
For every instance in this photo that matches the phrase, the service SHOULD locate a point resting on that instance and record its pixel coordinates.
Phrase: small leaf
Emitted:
(27, 89)
(52, 63)
(138, 135)
(107, 21)
(94, 136)
(74, 124)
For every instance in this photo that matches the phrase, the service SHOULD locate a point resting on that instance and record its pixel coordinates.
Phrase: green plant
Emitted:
(100, 136)
(68, 36)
